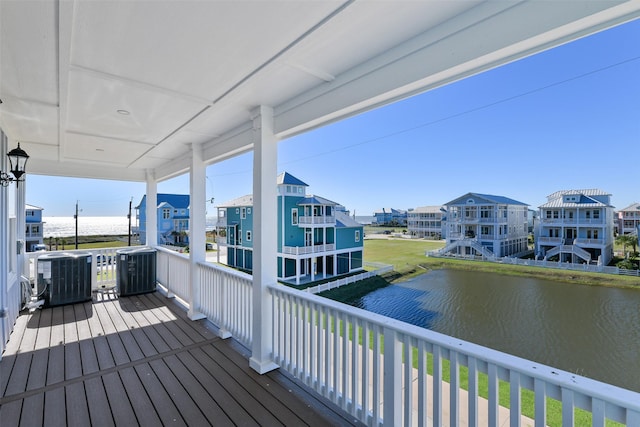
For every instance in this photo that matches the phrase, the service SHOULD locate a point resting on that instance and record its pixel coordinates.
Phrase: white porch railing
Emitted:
(304, 250)
(225, 298)
(172, 272)
(363, 362)
(307, 220)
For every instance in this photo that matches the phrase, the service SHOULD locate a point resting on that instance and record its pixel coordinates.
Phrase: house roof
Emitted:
(556, 200)
(499, 200)
(240, 201)
(389, 211)
(427, 209)
(344, 220)
(33, 208)
(287, 178)
(631, 207)
(177, 201)
(315, 200)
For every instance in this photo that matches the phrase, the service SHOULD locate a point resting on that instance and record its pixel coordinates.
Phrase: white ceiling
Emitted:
(193, 71)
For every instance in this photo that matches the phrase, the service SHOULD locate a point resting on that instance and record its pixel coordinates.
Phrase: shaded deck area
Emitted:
(139, 360)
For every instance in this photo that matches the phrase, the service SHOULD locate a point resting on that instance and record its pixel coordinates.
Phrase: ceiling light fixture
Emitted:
(17, 163)
(123, 112)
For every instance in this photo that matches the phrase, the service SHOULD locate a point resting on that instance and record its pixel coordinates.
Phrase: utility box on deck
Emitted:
(136, 270)
(64, 278)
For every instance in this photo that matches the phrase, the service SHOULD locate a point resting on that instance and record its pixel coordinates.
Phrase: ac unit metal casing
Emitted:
(136, 270)
(64, 278)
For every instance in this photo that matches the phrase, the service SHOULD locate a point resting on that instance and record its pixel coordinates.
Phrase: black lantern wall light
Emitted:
(17, 162)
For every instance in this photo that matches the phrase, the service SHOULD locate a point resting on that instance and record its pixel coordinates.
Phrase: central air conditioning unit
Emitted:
(64, 278)
(136, 270)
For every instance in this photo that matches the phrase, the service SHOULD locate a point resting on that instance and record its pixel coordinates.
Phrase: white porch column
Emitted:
(197, 227)
(5, 329)
(265, 246)
(151, 213)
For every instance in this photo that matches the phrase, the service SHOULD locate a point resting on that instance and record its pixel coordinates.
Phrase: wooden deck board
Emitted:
(139, 360)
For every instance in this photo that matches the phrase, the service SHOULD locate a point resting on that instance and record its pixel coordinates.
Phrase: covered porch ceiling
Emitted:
(104, 89)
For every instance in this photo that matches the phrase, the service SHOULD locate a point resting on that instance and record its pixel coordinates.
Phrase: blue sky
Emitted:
(567, 118)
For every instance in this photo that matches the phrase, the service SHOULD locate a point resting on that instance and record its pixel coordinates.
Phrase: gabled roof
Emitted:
(345, 221)
(315, 200)
(240, 201)
(631, 207)
(588, 192)
(499, 200)
(390, 211)
(287, 178)
(32, 208)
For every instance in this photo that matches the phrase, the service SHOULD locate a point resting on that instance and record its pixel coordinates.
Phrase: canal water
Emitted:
(592, 331)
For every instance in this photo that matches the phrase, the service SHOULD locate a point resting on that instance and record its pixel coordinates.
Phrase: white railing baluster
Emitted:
(366, 371)
(422, 384)
(473, 392)
(514, 399)
(377, 383)
(540, 390)
(437, 386)
(567, 407)
(597, 411)
(493, 395)
(344, 354)
(355, 366)
(408, 380)
(392, 378)
(454, 389)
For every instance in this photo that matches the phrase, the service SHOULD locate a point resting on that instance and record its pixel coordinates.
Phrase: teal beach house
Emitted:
(317, 238)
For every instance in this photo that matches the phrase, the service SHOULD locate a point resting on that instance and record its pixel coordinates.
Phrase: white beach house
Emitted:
(576, 226)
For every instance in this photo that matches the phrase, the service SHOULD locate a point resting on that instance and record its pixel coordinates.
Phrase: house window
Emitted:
(294, 216)
(166, 213)
(243, 213)
(35, 229)
(596, 214)
(588, 214)
(556, 214)
(248, 236)
(237, 211)
(249, 211)
(357, 235)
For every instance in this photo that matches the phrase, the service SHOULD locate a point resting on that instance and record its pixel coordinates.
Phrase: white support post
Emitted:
(265, 243)
(151, 213)
(4, 249)
(197, 227)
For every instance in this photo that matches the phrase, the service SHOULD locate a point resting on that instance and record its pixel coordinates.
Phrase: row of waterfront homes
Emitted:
(317, 238)
(576, 226)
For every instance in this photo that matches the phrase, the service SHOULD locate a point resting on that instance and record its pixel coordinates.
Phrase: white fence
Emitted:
(386, 372)
(349, 280)
(542, 263)
(173, 272)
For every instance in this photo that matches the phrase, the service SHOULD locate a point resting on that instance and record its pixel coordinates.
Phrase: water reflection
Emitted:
(589, 330)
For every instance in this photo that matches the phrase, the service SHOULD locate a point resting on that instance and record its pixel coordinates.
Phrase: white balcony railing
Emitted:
(364, 362)
(546, 239)
(589, 241)
(305, 250)
(310, 220)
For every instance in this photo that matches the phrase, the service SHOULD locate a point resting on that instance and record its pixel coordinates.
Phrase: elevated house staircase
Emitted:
(573, 249)
(472, 243)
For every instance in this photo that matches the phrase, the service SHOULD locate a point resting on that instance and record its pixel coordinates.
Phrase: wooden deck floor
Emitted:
(139, 360)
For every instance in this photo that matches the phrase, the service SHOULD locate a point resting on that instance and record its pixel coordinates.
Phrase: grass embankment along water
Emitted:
(409, 260)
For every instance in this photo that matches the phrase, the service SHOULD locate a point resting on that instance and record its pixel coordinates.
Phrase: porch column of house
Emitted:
(324, 257)
(313, 259)
(4, 248)
(197, 227)
(297, 268)
(265, 249)
(151, 213)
